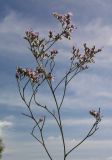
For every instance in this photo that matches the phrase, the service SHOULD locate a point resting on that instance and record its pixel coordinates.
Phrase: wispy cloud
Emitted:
(109, 158)
(12, 30)
(84, 121)
(54, 144)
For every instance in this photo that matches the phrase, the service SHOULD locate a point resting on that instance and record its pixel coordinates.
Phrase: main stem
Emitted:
(61, 130)
(60, 121)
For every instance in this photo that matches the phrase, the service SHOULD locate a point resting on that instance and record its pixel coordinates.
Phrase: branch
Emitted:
(93, 129)
(64, 92)
(32, 133)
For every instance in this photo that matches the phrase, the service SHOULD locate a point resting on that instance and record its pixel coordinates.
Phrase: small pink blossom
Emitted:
(96, 114)
(50, 77)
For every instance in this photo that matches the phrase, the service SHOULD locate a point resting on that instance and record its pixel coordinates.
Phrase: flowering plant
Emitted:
(45, 55)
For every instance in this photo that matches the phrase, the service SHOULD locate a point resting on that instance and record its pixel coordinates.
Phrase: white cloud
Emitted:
(3, 125)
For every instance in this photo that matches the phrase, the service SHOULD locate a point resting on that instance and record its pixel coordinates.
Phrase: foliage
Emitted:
(45, 55)
(1, 148)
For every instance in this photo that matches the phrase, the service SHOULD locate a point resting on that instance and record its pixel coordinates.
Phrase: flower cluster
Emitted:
(54, 52)
(33, 75)
(54, 37)
(95, 114)
(34, 39)
(65, 20)
(87, 57)
(38, 45)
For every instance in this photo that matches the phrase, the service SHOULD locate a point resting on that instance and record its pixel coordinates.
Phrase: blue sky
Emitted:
(89, 90)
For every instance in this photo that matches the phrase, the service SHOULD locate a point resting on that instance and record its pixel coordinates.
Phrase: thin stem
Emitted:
(63, 93)
(69, 72)
(76, 72)
(45, 146)
(50, 46)
(41, 133)
(32, 133)
(25, 86)
(60, 81)
(44, 107)
(42, 137)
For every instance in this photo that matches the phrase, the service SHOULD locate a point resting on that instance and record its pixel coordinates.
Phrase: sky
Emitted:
(89, 90)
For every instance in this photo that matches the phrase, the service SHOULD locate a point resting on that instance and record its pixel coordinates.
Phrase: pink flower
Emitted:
(96, 114)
